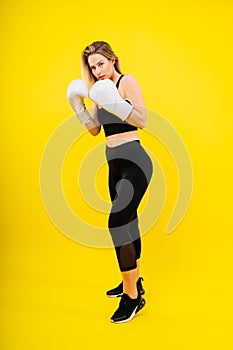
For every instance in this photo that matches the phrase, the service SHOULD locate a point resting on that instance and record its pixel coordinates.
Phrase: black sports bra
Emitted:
(111, 123)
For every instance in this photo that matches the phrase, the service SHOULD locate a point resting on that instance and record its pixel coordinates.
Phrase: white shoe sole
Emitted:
(137, 308)
(114, 296)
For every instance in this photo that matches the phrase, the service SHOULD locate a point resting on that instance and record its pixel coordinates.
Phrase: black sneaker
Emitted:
(118, 291)
(127, 308)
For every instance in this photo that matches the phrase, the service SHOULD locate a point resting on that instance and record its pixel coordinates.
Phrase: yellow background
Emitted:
(53, 288)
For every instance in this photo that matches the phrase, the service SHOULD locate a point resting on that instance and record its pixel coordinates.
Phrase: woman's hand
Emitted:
(106, 95)
(76, 92)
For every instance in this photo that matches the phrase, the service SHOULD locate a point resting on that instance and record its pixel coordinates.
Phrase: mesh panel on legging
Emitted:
(128, 181)
(128, 253)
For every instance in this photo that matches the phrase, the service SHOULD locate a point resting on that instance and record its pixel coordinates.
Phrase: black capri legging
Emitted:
(130, 171)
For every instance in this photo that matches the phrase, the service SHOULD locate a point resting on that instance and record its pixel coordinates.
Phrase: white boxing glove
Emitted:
(106, 95)
(76, 92)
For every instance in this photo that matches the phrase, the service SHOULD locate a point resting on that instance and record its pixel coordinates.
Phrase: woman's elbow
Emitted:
(94, 131)
(141, 118)
(142, 122)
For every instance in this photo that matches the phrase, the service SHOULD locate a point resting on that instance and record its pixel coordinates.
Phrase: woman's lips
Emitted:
(101, 78)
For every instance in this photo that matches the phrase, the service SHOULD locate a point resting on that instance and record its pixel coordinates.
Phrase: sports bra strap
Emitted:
(118, 81)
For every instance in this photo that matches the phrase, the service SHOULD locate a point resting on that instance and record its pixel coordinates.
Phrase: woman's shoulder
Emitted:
(129, 80)
(131, 89)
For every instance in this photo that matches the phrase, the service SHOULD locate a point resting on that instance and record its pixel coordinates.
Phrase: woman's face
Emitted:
(101, 67)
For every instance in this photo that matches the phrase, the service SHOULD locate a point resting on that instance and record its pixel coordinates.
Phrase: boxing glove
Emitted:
(76, 92)
(106, 95)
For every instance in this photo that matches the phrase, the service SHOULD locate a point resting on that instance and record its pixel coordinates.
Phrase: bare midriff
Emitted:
(119, 139)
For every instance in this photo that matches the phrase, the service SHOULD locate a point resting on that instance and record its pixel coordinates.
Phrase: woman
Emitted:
(120, 108)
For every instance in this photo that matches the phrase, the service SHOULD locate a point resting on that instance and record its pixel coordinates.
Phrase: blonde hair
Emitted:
(102, 48)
